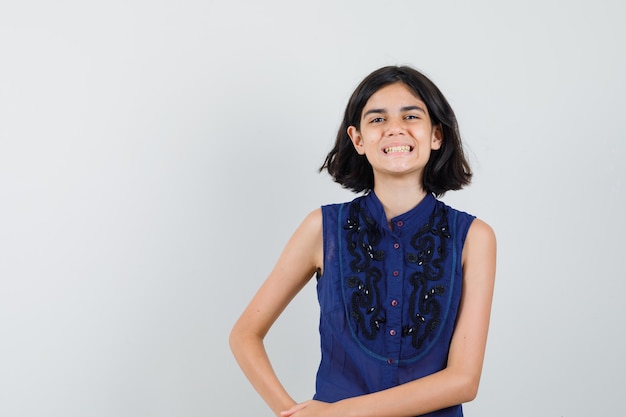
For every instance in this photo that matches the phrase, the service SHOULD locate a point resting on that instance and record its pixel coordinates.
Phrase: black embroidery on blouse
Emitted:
(424, 307)
(362, 237)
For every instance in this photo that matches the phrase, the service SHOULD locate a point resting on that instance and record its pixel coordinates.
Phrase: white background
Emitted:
(155, 156)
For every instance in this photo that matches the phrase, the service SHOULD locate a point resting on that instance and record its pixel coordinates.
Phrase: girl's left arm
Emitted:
(458, 382)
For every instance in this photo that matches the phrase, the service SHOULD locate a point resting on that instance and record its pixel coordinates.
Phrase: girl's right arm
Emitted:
(301, 258)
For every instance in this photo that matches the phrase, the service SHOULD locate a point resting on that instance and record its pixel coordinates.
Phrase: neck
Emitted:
(398, 197)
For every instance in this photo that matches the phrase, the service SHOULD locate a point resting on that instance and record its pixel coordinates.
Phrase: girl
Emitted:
(404, 282)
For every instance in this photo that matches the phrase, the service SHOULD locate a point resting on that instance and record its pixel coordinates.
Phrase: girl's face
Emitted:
(396, 134)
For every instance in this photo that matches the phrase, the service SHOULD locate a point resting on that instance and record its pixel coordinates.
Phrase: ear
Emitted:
(357, 139)
(436, 138)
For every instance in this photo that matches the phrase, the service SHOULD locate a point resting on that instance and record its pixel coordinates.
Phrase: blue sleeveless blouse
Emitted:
(388, 296)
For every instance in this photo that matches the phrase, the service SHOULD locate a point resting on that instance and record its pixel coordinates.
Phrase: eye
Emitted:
(377, 120)
(411, 116)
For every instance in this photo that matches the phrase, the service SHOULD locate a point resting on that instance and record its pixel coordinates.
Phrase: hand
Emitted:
(309, 408)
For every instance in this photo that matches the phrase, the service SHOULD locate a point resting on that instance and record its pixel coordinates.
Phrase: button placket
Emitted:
(394, 271)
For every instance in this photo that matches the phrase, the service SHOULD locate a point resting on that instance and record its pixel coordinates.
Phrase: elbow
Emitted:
(232, 340)
(468, 388)
(470, 393)
(241, 339)
(235, 340)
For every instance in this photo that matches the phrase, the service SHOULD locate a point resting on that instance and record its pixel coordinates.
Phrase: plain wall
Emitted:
(156, 156)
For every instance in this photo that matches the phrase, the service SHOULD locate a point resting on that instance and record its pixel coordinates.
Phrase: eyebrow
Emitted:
(403, 109)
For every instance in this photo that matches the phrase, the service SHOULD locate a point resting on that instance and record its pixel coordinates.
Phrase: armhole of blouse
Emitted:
(464, 237)
(320, 273)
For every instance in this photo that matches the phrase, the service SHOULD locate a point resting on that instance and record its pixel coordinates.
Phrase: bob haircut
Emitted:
(447, 169)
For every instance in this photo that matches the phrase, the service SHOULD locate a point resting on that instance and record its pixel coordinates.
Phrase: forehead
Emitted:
(393, 96)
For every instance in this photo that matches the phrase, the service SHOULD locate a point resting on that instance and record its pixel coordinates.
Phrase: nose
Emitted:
(394, 127)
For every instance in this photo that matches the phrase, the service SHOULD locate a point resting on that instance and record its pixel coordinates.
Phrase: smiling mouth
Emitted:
(401, 149)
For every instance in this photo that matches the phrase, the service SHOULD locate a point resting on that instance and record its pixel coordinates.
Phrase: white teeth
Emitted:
(402, 148)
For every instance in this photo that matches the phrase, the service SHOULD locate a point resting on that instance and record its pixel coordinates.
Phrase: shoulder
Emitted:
(313, 220)
(310, 229)
(480, 243)
(303, 250)
(461, 215)
(335, 206)
(480, 231)
(330, 213)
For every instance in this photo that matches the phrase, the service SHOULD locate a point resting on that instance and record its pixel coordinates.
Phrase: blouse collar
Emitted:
(409, 220)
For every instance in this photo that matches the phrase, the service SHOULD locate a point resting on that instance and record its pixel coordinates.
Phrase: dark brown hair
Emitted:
(447, 169)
